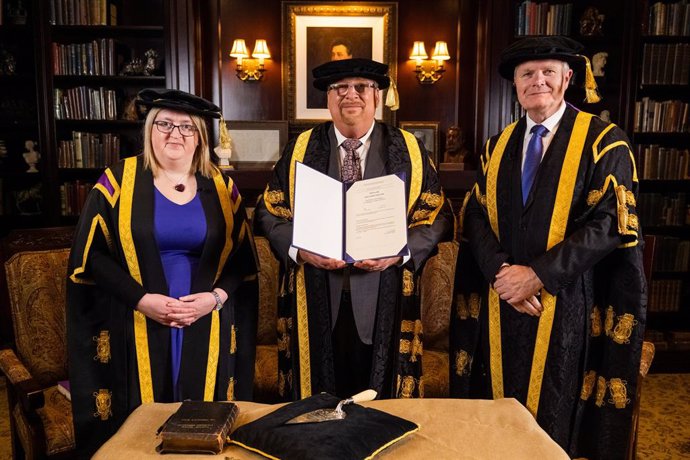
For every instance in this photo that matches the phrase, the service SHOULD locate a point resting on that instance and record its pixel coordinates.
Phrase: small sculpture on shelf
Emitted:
(31, 156)
(456, 154)
(598, 63)
(8, 64)
(224, 147)
(591, 22)
(152, 62)
(133, 68)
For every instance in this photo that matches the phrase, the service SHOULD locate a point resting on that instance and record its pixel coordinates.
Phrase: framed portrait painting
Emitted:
(317, 33)
(427, 132)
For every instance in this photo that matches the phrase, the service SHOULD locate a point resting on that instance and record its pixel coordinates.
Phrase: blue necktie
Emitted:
(535, 148)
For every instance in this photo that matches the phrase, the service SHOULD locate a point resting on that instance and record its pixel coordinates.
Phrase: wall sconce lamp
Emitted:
(250, 69)
(433, 74)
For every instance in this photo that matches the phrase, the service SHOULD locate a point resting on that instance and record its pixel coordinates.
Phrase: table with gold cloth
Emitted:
(449, 429)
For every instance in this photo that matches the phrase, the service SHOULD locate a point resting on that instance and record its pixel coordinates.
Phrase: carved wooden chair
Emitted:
(436, 291)
(40, 417)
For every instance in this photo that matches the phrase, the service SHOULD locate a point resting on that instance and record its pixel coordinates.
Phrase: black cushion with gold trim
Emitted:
(363, 433)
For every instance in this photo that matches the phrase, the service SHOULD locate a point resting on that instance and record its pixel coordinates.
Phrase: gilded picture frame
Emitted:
(309, 30)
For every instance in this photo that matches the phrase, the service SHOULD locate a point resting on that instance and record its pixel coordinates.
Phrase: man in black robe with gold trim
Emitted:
(344, 328)
(551, 297)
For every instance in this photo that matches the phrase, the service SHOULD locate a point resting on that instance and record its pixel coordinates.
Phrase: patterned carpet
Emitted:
(664, 431)
(664, 419)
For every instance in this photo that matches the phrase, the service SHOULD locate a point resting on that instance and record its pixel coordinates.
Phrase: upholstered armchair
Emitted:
(436, 292)
(40, 416)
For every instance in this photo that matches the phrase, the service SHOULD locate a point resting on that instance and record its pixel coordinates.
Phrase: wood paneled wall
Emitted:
(451, 100)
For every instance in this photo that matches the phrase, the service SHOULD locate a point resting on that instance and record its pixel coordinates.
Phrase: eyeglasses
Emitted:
(166, 127)
(343, 88)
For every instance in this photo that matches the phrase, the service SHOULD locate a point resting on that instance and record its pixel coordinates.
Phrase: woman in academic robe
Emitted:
(162, 289)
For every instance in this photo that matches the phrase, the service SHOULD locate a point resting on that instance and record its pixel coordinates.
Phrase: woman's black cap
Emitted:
(175, 99)
(334, 71)
(538, 48)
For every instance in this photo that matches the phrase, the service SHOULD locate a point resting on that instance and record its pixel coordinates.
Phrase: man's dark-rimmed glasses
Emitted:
(342, 88)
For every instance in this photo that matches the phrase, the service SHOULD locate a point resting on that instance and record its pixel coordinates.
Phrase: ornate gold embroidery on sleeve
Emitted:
(433, 200)
(103, 398)
(596, 321)
(102, 347)
(462, 363)
(408, 282)
(588, 385)
(276, 204)
(627, 222)
(601, 391)
(630, 198)
(623, 330)
(619, 393)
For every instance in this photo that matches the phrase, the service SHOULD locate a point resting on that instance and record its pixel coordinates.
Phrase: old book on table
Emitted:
(197, 427)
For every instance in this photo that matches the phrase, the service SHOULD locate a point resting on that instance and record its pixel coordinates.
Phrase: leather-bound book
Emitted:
(197, 427)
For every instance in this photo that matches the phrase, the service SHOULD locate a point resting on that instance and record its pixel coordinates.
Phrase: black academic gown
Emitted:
(385, 304)
(575, 369)
(118, 358)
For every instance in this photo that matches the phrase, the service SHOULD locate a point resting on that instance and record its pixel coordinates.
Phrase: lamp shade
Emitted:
(418, 51)
(261, 50)
(440, 52)
(239, 49)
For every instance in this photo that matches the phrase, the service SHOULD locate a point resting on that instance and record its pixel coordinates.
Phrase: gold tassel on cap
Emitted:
(392, 97)
(591, 92)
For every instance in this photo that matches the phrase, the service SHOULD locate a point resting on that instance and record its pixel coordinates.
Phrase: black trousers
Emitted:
(351, 356)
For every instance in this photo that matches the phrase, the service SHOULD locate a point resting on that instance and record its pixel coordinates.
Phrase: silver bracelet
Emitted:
(219, 303)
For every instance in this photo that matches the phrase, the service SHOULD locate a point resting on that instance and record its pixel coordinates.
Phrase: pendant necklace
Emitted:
(178, 185)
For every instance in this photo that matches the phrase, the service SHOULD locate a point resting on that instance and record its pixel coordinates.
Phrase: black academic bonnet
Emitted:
(333, 71)
(175, 99)
(538, 48)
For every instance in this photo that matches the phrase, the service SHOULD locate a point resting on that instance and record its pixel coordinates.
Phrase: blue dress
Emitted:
(180, 233)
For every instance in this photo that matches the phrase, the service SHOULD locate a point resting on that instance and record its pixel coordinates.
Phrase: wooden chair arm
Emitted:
(28, 391)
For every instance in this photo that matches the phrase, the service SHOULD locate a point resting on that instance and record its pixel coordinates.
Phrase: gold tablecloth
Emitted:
(449, 429)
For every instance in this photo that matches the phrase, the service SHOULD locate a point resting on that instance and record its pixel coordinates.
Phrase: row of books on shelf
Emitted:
(668, 163)
(661, 116)
(657, 209)
(73, 196)
(84, 103)
(89, 150)
(541, 18)
(669, 19)
(664, 296)
(94, 58)
(83, 12)
(669, 340)
(672, 254)
(665, 64)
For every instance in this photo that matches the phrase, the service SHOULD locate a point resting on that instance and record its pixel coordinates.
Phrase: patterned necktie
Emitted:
(535, 148)
(352, 170)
